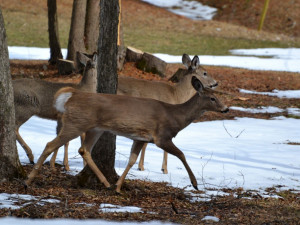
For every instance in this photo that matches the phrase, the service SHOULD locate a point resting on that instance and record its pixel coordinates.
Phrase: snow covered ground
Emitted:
(191, 9)
(249, 153)
(282, 59)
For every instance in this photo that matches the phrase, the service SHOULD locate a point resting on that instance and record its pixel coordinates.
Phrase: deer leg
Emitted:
(164, 167)
(135, 150)
(86, 155)
(67, 133)
(169, 147)
(50, 147)
(24, 146)
(142, 158)
(90, 140)
(82, 138)
(66, 161)
(52, 160)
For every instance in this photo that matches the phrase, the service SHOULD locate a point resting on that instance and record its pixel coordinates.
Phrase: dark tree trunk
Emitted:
(10, 166)
(92, 26)
(55, 50)
(104, 151)
(76, 35)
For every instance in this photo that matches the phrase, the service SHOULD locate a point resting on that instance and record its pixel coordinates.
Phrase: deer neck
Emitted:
(183, 90)
(191, 110)
(89, 81)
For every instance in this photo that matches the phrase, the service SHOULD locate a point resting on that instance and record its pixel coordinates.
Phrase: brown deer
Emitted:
(93, 114)
(173, 94)
(166, 92)
(35, 97)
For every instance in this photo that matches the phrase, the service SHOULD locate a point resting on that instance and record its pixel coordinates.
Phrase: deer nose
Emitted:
(225, 110)
(214, 85)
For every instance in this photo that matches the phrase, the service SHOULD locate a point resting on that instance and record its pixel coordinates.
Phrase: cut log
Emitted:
(65, 67)
(152, 64)
(133, 54)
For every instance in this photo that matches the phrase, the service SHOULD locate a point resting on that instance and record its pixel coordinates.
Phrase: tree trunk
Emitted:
(104, 151)
(92, 26)
(55, 50)
(76, 35)
(10, 166)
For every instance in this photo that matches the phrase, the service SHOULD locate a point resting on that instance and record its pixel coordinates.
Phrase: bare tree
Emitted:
(10, 166)
(104, 151)
(76, 35)
(55, 50)
(91, 32)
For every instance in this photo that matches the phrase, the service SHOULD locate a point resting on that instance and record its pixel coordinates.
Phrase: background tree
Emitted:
(76, 35)
(91, 32)
(104, 151)
(55, 49)
(10, 166)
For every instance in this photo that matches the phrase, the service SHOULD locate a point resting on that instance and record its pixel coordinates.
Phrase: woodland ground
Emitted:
(167, 203)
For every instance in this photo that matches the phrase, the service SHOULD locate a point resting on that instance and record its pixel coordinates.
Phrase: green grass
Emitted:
(176, 44)
(31, 29)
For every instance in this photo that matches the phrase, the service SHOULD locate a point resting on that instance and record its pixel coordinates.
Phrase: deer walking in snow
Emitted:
(93, 114)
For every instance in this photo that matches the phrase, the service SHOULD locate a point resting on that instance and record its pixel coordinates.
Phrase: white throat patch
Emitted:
(61, 101)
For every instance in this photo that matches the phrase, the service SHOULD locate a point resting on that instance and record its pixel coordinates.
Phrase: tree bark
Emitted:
(92, 26)
(104, 151)
(76, 35)
(10, 166)
(55, 50)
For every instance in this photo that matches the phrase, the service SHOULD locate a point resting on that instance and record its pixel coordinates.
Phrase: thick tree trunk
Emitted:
(92, 26)
(55, 50)
(76, 35)
(10, 166)
(104, 151)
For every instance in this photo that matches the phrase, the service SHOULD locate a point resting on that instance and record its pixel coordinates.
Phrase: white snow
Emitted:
(190, 9)
(285, 60)
(257, 159)
(269, 109)
(253, 63)
(212, 218)
(31, 53)
(105, 207)
(13, 200)
(276, 93)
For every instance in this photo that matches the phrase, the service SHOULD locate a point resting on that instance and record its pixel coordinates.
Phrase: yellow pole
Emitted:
(263, 16)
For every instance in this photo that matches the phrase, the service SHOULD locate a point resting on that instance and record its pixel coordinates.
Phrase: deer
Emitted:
(173, 94)
(94, 113)
(35, 97)
(163, 91)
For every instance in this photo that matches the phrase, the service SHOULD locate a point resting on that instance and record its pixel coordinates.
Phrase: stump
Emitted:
(65, 67)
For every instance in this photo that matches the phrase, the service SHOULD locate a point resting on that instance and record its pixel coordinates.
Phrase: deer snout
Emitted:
(214, 85)
(225, 110)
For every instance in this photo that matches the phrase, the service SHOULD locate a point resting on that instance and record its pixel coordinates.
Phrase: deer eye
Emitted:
(205, 73)
(213, 99)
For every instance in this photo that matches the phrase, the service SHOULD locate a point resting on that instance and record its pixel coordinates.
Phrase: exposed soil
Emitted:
(158, 201)
(282, 17)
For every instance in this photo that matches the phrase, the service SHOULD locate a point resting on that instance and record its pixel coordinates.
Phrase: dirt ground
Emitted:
(230, 81)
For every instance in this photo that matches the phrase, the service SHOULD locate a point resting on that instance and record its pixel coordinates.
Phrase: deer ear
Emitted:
(81, 58)
(95, 56)
(197, 84)
(186, 60)
(195, 62)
